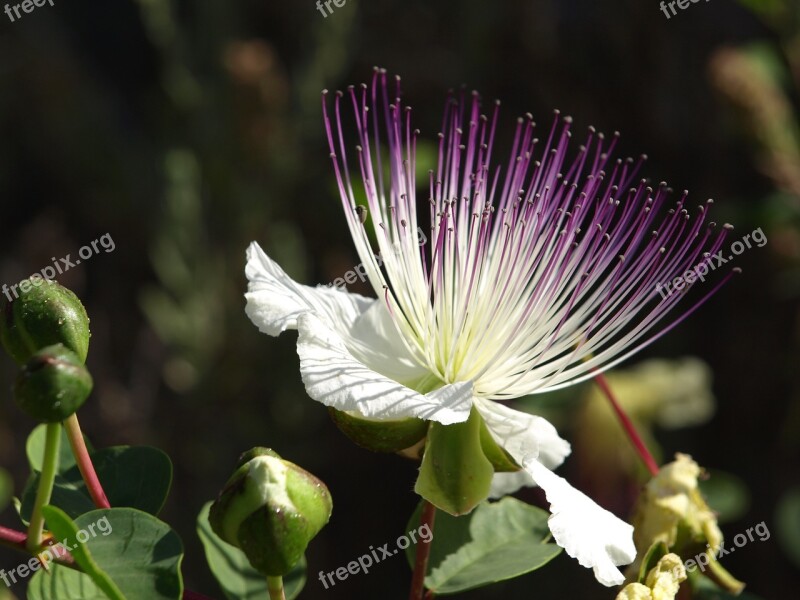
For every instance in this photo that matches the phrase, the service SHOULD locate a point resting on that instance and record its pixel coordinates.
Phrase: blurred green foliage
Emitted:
(188, 129)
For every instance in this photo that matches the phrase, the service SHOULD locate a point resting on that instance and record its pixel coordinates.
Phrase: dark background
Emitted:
(186, 129)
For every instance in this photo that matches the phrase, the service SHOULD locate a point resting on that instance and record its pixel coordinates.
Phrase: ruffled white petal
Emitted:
(275, 300)
(334, 377)
(589, 533)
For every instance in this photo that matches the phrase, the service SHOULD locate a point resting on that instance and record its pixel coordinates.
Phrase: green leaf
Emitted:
(70, 496)
(63, 583)
(68, 532)
(455, 474)
(131, 554)
(726, 494)
(788, 521)
(132, 476)
(497, 541)
(238, 580)
(34, 448)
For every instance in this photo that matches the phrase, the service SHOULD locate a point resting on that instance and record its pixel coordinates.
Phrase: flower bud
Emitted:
(662, 582)
(672, 510)
(270, 509)
(43, 313)
(379, 436)
(53, 384)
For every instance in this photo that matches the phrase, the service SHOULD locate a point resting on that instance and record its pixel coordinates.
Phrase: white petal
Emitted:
(275, 300)
(523, 435)
(333, 376)
(374, 341)
(508, 483)
(589, 533)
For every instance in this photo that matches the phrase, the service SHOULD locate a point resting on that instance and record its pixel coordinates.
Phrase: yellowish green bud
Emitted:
(271, 509)
(635, 591)
(672, 510)
(661, 583)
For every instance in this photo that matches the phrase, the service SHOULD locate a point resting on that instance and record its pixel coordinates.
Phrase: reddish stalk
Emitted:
(423, 552)
(628, 426)
(18, 540)
(13, 539)
(84, 462)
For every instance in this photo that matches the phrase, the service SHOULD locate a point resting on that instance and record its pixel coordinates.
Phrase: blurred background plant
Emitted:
(188, 129)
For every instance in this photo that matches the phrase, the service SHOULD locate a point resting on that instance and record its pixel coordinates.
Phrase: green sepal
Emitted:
(650, 560)
(379, 436)
(455, 475)
(500, 459)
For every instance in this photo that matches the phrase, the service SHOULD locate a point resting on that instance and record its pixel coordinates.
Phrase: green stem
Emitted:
(275, 587)
(46, 480)
(84, 461)
(719, 575)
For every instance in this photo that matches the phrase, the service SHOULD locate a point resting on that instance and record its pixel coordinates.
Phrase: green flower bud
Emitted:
(379, 436)
(53, 385)
(270, 509)
(43, 313)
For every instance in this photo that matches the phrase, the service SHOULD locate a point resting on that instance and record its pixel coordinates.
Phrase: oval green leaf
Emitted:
(34, 448)
(136, 553)
(68, 533)
(497, 541)
(132, 476)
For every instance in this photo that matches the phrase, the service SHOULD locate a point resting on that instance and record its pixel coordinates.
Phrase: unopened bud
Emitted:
(43, 313)
(53, 384)
(271, 509)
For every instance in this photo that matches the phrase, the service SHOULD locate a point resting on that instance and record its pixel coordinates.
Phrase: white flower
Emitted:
(521, 288)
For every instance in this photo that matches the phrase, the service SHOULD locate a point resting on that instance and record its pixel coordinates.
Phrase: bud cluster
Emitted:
(45, 329)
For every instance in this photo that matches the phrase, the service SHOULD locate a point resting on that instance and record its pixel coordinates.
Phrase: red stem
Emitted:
(627, 424)
(423, 552)
(84, 462)
(18, 540)
(13, 538)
